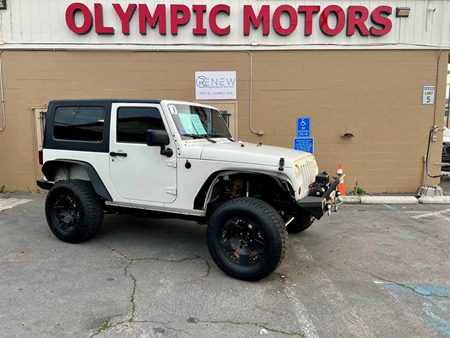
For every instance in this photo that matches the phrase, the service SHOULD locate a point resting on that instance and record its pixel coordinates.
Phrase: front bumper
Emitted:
(319, 205)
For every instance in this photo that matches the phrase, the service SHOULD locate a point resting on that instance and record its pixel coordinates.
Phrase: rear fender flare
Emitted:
(50, 168)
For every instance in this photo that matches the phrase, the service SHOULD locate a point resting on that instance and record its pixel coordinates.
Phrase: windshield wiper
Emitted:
(197, 136)
(219, 135)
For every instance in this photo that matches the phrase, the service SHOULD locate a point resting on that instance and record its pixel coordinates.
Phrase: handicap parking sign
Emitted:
(303, 127)
(304, 144)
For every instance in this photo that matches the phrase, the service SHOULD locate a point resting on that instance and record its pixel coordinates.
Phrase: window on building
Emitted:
(79, 123)
(133, 122)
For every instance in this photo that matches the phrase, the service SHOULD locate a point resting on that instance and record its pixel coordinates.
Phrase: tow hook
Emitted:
(338, 201)
(329, 207)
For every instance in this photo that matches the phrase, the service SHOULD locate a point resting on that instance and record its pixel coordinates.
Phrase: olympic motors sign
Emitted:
(217, 20)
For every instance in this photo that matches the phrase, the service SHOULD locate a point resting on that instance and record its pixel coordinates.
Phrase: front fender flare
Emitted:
(202, 196)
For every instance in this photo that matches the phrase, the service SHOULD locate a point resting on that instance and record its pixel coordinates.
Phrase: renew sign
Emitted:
(215, 85)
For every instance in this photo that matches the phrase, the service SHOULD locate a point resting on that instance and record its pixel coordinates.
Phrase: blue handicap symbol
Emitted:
(303, 127)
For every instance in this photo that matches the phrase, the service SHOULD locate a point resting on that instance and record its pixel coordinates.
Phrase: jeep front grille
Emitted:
(308, 172)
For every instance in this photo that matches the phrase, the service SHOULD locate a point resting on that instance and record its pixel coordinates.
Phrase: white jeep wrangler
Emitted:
(178, 159)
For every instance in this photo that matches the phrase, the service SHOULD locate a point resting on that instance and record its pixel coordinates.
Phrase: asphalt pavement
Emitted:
(367, 271)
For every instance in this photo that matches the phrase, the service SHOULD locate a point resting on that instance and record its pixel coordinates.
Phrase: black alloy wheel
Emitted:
(242, 241)
(66, 213)
(74, 211)
(246, 238)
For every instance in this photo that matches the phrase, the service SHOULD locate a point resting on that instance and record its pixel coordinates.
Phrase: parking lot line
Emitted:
(336, 301)
(9, 203)
(430, 214)
(303, 318)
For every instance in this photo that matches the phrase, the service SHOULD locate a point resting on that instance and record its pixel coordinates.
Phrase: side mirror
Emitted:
(159, 138)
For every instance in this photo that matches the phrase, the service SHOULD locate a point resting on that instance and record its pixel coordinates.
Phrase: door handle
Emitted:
(114, 154)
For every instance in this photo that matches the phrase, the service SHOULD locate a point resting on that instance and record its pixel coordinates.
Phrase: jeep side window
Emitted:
(133, 122)
(79, 123)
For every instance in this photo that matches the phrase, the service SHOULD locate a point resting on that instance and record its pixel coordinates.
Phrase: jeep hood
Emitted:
(251, 153)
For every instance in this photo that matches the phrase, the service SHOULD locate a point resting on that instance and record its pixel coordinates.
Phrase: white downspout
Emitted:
(250, 99)
(2, 96)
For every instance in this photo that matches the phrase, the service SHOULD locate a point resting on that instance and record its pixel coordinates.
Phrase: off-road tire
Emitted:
(300, 223)
(89, 205)
(271, 228)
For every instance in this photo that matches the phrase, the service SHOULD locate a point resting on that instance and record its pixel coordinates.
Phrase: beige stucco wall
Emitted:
(375, 95)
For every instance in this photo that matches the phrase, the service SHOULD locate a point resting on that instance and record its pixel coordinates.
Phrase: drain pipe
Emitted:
(444, 5)
(427, 161)
(435, 128)
(250, 99)
(2, 95)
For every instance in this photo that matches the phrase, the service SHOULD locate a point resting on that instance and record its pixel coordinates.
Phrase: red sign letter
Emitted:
(309, 12)
(87, 18)
(176, 20)
(213, 19)
(99, 27)
(250, 17)
(293, 19)
(381, 20)
(145, 18)
(125, 17)
(356, 18)
(199, 10)
(340, 20)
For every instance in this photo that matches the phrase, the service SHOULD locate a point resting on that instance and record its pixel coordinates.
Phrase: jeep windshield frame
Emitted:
(198, 122)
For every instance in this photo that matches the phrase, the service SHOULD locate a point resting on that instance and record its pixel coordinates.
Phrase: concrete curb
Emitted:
(395, 199)
(389, 200)
(434, 200)
(351, 199)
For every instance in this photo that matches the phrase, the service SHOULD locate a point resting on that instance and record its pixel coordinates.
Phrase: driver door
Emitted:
(139, 172)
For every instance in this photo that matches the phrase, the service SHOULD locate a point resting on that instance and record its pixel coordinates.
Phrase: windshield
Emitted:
(198, 122)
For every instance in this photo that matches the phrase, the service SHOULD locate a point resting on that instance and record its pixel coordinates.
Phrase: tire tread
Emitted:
(93, 209)
(262, 208)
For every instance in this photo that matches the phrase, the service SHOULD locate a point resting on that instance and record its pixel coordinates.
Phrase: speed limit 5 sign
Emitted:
(428, 94)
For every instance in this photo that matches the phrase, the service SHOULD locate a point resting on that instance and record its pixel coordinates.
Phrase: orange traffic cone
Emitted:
(341, 186)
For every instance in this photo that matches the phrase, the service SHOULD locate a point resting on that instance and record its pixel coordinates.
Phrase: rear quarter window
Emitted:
(79, 123)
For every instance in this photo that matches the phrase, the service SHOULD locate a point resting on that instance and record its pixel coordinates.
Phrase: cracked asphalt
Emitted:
(368, 271)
